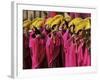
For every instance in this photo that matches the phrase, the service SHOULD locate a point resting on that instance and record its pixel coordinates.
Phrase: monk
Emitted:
(54, 50)
(66, 36)
(80, 53)
(70, 47)
(87, 55)
(38, 51)
(80, 47)
(87, 58)
(27, 62)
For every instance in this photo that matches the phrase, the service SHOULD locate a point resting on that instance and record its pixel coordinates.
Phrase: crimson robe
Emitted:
(66, 36)
(27, 62)
(86, 58)
(80, 54)
(38, 53)
(72, 54)
(53, 52)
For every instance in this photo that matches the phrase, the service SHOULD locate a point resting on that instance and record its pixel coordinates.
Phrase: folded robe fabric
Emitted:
(86, 58)
(72, 53)
(30, 38)
(53, 51)
(66, 36)
(38, 52)
(80, 54)
(27, 62)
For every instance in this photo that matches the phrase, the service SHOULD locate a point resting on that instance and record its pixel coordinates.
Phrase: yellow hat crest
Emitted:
(75, 21)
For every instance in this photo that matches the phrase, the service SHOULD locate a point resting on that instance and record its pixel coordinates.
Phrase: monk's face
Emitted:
(65, 27)
(47, 27)
(72, 28)
(60, 28)
(56, 28)
(80, 34)
(25, 30)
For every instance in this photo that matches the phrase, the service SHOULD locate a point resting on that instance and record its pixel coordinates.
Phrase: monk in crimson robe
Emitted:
(62, 54)
(80, 47)
(72, 54)
(69, 47)
(30, 40)
(80, 54)
(38, 52)
(87, 55)
(86, 58)
(83, 54)
(53, 50)
(26, 51)
(66, 36)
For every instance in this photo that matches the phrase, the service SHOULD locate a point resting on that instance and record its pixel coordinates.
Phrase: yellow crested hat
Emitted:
(75, 21)
(88, 23)
(67, 17)
(80, 26)
(39, 24)
(27, 23)
(57, 21)
(34, 22)
(57, 16)
(48, 21)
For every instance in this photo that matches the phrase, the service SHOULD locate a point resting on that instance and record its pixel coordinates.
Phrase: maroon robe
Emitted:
(38, 53)
(53, 51)
(27, 62)
(80, 53)
(86, 58)
(72, 54)
(66, 37)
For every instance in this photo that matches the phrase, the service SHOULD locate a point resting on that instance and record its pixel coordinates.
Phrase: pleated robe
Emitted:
(80, 54)
(53, 51)
(66, 36)
(38, 53)
(30, 41)
(72, 54)
(27, 62)
(86, 58)
(62, 53)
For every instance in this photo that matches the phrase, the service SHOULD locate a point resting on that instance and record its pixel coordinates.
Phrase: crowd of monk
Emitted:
(57, 41)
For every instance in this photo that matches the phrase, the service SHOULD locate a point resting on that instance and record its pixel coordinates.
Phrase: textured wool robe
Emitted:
(72, 54)
(80, 54)
(27, 62)
(86, 58)
(53, 51)
(38, 53)
(66, 36)
(30, 41)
